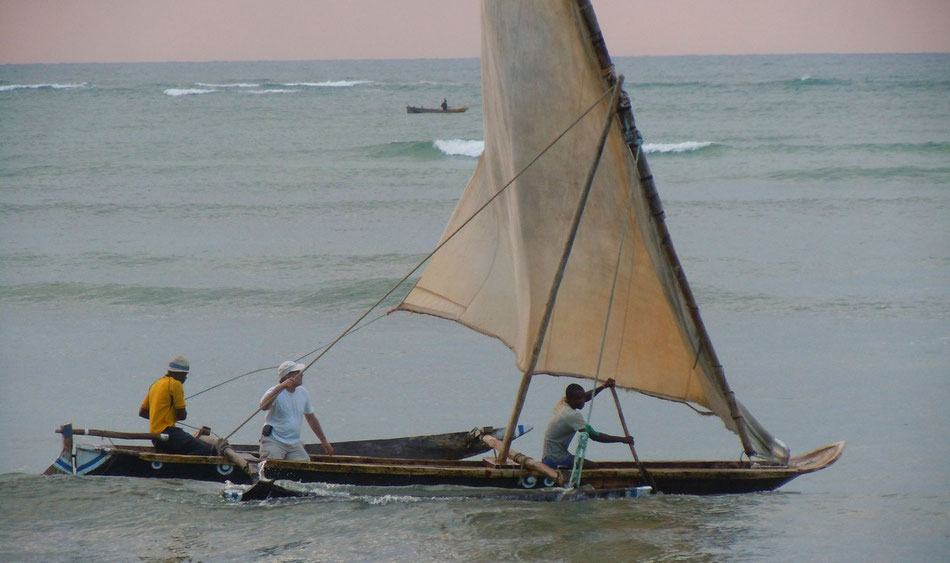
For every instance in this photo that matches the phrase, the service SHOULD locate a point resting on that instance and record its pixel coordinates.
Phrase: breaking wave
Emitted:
(264, 87)
(807, 80)
(688, 146)
(273, 91)
(178, 92)
(428, 149)
(229, 85)
(12, 87)
(459, 147)
(328, 84)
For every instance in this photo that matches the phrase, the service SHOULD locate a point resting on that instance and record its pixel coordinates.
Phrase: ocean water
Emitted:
(242, 214)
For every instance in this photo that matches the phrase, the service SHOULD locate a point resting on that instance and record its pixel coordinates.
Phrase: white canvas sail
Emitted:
(540, 72)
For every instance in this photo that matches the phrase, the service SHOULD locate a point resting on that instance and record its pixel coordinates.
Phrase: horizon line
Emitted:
(369, 59)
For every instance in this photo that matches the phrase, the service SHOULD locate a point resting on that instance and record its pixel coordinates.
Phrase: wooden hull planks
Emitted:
(671, 477)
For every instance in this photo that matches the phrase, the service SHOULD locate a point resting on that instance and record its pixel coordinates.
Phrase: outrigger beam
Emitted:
(526, 461)
(113, 434)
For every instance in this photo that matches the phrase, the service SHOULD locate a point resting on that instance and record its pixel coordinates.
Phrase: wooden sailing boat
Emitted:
(558, 248)
(423, 109)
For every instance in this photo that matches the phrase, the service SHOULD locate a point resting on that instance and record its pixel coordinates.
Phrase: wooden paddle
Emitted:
(623, 423)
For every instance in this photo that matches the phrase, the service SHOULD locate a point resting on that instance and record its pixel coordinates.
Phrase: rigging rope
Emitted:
(350, 329)
(275, 367)
(462, 226)
(582, 439)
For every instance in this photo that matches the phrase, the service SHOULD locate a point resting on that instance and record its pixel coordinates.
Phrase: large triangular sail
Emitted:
(543, 66)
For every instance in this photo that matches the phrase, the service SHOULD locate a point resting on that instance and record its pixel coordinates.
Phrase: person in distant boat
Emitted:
(280, 437)
(568, 419)
(164, 405)
(445, 104)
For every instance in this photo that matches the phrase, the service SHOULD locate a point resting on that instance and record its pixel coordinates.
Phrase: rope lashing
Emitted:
(275, 367)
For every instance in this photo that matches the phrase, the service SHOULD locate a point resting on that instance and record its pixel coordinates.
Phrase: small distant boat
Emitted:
(420, 109)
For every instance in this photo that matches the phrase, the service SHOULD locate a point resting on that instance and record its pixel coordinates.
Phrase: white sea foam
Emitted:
(459, 147)
(390, 499)
(688, 146)
(176, 92)
(231, 85)
(329, 83)
(10, 87)
(272, 91)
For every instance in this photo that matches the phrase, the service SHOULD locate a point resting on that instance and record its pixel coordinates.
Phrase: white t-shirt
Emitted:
(286, 413)
(565, 421)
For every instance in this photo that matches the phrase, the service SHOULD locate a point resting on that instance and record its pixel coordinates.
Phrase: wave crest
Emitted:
(329, 84)
(178, 92)
(51, 86)
(460, 147)
(687, 146)
(428, 149)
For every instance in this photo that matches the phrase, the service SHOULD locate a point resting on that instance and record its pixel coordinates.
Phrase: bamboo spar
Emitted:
(528, 462)
(559, 274)
(114, 434)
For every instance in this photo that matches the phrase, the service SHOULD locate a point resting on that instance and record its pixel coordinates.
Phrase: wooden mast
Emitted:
(559, 275)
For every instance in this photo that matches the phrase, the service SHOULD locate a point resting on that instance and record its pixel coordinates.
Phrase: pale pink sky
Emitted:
(52, 31)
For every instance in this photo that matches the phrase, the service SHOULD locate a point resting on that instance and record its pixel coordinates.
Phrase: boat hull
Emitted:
(670, 477)
(144, 461)
(415, 109)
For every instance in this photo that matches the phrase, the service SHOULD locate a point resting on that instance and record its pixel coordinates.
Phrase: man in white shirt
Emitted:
(567, 419)
(286, 404)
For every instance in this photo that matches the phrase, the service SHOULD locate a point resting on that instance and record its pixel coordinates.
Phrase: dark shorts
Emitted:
(183, 443)
(554, 464)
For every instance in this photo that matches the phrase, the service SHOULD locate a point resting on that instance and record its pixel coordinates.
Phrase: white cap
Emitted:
(288, 368)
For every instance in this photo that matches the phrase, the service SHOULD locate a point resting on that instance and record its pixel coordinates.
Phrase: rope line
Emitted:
(582, 441)
(462, 226)
(524, 169)
(275, 367)
(581, 451)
